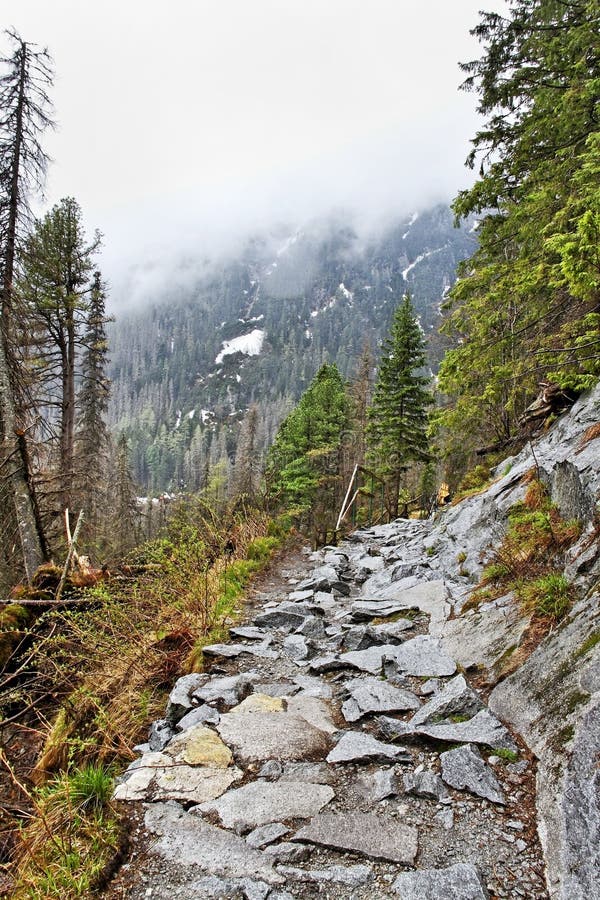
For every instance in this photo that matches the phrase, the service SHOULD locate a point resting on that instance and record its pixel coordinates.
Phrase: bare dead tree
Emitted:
(25, 77)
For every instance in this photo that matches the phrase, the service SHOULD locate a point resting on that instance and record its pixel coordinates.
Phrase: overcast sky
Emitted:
(181, 123)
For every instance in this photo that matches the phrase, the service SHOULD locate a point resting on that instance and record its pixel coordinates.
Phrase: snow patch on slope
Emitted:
(250, 344)
(419, 259)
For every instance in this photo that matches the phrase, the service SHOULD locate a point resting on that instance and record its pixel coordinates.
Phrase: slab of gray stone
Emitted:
(262, 802)
(423, 656)
(313, 628)
(180, 699)
(455, 698)
(371, 695)
(457, 882)
(314, 710)
(325, 600)
(366, 610)
(379, 785)
(313, 687)
(296, 647)
(371, 835)
(464, 769)
(349, 876)
(300, 596)
(159, 734)
(201, 715)
(232, 651)
(180, 835)
(483, 728)
(266, 834)
(358, 747)
(228, 690)
(248, 633)
(286, 852)
(283, 616)
(259, 736)
(427, 785)
(320, 579)
(431, 597)
(393, 632)
(330, 662)
(316, 773)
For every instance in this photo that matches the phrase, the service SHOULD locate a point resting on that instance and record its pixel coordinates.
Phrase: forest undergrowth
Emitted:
(90, 678)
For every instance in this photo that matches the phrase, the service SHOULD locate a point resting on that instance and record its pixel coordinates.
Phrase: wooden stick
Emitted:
(70, 553)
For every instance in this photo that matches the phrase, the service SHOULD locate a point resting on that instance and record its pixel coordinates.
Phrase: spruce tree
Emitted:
(397, 426)
(303, 465)
(92, 438)
(526, 308)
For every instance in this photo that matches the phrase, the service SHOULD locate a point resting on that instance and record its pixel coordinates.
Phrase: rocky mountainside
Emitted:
(370, 734)
(255, 329)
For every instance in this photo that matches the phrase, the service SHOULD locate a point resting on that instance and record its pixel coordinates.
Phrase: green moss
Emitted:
(590, 642)
(577, 698)
(565, 735)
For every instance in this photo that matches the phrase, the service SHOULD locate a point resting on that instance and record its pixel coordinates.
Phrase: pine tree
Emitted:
(397, 427)
(92, 443)
(56, 288)
(24, 115)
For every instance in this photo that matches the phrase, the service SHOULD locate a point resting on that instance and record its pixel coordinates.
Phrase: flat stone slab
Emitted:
(458, 882)
(259, 736)
(200, 715)
(248, 633)
(315, 711)
(423, 656)
(483, 728)
(365, 610)
(456, 697)
(365, 833)
(370, 695)
(187, 840)
(350, 876)
(228, 690)
(464, 769)
(356, 746)
(157, 776)
(266, 834)
(420, 656)
(232, 651)
(430, 597)
(262, 802)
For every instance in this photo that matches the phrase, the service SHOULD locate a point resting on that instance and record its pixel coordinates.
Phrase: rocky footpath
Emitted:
(353, 739)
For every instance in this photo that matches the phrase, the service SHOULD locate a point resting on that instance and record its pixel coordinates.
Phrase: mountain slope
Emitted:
(254, 330)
